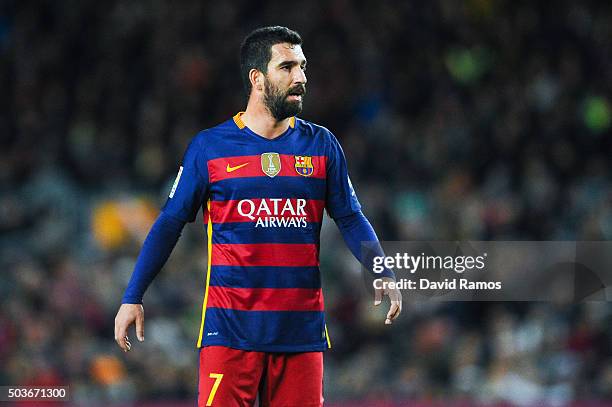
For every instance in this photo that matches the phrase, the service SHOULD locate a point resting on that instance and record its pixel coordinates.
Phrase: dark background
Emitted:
(461, 120)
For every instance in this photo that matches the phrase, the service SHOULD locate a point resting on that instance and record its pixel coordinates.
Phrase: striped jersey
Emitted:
(263, 204)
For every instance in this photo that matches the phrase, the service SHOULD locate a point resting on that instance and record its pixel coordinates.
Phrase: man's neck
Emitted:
(259, 120)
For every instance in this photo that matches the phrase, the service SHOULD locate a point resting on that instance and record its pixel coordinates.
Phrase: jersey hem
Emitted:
(319, 347)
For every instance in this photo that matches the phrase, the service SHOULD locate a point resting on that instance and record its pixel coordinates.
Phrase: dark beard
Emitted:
(277, 103)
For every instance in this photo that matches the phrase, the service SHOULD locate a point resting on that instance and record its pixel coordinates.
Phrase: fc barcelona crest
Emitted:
(303, 165)
(270, 164)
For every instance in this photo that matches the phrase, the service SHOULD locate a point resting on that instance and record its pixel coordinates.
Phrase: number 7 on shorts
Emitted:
(218, 377)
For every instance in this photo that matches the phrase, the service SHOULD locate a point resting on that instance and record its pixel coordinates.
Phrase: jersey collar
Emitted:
(238, 120)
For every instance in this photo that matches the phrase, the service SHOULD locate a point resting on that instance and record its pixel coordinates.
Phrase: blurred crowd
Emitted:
(460, 120)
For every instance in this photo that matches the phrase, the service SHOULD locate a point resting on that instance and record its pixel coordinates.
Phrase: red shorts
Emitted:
(235, 378)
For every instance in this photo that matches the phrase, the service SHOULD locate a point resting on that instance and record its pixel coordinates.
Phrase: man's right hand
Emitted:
(126, 316)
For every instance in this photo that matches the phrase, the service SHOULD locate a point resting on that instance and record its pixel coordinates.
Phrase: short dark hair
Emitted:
(256, 50)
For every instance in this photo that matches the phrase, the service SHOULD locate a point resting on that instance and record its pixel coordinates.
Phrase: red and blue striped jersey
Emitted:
(263, 206)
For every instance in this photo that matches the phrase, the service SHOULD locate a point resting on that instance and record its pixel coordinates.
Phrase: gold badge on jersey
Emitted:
(303, 165)
(270, 164)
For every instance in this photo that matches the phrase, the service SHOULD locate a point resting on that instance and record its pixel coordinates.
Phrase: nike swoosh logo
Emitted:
(230, 169)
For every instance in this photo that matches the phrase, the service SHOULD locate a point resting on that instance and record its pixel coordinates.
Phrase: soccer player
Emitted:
(263, 178)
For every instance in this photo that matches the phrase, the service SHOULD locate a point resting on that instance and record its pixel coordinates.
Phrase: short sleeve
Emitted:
(341, 199)
(191, 184)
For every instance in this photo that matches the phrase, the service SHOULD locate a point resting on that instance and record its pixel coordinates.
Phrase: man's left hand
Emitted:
(394, 295)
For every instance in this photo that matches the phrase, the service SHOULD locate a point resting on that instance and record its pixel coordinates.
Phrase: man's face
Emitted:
(285, 82)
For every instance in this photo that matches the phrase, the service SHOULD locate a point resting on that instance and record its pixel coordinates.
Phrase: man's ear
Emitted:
(256, 78)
